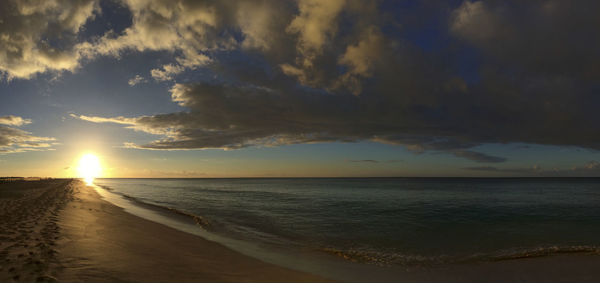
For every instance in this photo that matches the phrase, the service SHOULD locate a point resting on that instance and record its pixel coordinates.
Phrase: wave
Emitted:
(105, 187)
(390, 259)
(200, 221)
(366, 255)
(545, 251)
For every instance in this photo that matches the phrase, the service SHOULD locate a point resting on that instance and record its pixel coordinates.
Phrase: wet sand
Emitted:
(102, 242)
(62, 230)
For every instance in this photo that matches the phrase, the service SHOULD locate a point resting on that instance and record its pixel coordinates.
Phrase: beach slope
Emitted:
(29, 228)
(102, 242)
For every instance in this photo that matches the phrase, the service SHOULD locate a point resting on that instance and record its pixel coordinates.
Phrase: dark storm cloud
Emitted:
(350, 70)
(553, 38)
(539, 69)
(231, 117)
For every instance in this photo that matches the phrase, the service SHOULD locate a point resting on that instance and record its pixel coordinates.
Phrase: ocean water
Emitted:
(387, 221)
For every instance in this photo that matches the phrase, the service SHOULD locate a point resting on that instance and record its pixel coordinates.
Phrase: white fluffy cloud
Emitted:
(167, 72)
(315, 25)
(27, 29)
(12, 120)
(188, 28)
(294, 36)
(360, 59)
(136, 80)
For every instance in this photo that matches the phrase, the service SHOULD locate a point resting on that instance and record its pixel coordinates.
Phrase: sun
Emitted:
(89, 168)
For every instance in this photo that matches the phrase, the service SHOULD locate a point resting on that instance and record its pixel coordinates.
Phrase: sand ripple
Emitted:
(29, 229)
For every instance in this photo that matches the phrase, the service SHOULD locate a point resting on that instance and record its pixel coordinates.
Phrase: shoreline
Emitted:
(63, 230)
(103, 242)
(555, 268)
(299, 259)
(320, 261)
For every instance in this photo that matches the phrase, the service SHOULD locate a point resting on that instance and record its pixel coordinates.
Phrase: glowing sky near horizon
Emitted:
(89, 168)
(262, 88)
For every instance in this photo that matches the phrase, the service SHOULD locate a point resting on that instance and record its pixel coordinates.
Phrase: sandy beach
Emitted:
(29, 229)
(61, 230)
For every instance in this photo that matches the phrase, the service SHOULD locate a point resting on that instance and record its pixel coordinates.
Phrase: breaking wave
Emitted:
(201, 221)
(389, 259)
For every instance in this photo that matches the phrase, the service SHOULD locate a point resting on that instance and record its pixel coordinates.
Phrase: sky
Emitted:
(304, 88)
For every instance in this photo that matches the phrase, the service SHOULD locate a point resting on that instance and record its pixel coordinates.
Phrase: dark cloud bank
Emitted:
(349, 70)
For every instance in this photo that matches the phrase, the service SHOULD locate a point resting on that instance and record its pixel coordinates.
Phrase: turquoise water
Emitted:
(399, 221)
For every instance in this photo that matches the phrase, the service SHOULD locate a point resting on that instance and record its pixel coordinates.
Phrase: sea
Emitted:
(319, 224)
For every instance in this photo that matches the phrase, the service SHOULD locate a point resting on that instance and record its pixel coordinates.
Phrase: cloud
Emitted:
(373, 161)
(329, 59)
(363, 161)
(293, 35)
(41, 36)
(231, 117)
(138, 124)
(256, 22)
(315, 24)
(549, 38)
(11, 120)
(360, 59)
(478, 156)
(589, 169)
(322, 71)
(167, 73)
(29, 29)
(14, 140)
(592, 165)
(136, 80)
(483, 168)
(118, 120)
(474, 21)
(171, 173)
(187, 28)
(533, 170)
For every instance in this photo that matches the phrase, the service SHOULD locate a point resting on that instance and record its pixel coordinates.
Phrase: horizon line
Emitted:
(328, 177)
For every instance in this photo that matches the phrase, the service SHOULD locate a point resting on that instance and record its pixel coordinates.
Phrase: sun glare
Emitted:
(89, 168)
